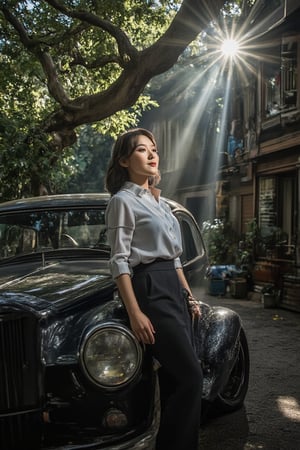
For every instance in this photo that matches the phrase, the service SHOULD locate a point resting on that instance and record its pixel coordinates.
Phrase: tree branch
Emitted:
(193, 16)
(102, 61)
(34, 46)
(126, 49)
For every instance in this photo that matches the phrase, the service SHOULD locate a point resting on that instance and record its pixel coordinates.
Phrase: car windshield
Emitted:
(37, 231)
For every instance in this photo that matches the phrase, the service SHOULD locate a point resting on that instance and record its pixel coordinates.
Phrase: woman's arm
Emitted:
(120, 220)
(193, 304)
(139, 322)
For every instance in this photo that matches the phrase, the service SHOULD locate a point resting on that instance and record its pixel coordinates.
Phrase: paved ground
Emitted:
(270, 419)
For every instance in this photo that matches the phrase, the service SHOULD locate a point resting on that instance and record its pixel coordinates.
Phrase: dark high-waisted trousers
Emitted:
(159, 294)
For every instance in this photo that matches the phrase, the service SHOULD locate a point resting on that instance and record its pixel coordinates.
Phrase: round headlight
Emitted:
(111, 356)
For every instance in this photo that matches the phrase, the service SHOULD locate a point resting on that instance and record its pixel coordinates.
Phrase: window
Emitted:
(280, 78)
(267, 203)
(272, 90)
(276, 218)
(39, 231)
(191, 239)
(288, 82)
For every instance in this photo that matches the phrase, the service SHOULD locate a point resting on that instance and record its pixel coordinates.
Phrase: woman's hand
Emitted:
(192, 303)
(142, 327)
(194, 306)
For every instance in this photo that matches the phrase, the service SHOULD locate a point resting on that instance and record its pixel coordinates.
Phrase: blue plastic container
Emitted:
(216, 286)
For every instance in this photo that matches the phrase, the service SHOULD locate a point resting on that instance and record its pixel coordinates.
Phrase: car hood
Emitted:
(58, 281)
(63, 295)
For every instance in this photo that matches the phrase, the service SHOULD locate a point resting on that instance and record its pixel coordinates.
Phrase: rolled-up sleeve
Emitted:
(120, 221)
(177, 263)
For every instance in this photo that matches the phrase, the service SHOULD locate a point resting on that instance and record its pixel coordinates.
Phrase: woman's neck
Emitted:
(143, 183)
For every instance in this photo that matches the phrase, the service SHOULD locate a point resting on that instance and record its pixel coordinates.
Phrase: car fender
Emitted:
(216, 340)
(62, 343)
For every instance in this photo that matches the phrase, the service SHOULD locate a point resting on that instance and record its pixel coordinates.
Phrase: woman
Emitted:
(145, 243)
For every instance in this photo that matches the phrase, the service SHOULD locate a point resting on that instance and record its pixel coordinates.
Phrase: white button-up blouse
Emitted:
(140, 229)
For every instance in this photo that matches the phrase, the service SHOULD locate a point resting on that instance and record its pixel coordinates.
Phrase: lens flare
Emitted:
(230, 47)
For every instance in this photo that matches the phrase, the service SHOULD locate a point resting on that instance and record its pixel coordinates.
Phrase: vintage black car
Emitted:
(72, 375)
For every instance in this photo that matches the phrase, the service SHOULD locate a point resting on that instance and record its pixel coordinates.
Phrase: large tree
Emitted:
(78, 24)
(75, 62)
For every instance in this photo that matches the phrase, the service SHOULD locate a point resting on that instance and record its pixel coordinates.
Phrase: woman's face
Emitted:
(143, 161)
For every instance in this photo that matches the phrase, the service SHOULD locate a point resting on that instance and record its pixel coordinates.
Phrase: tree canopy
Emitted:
(68, 63)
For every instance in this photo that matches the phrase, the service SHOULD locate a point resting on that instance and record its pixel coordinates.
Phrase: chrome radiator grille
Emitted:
(20, 377)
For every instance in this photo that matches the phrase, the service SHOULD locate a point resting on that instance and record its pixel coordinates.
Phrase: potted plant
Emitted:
(220, 241)
(221, 245)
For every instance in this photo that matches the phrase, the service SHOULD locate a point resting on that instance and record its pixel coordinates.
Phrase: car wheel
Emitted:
(232, 396)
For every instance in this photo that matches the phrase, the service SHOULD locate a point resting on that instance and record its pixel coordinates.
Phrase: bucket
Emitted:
(238, 288)
(268, 300)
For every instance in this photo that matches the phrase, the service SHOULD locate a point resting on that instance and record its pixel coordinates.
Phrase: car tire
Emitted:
(232, 396)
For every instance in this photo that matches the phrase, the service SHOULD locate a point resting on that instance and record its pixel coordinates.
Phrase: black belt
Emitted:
(140, 267)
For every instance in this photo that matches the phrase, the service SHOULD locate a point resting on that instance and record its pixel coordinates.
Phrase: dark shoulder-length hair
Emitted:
(117, 175)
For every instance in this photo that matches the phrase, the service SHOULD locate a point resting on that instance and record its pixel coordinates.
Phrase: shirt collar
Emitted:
(139, 191)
